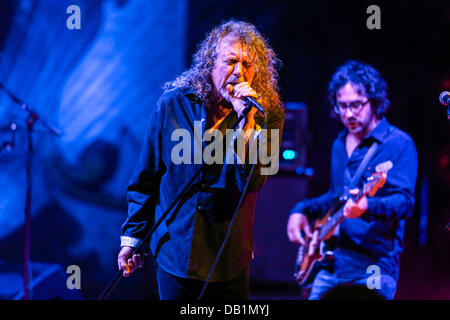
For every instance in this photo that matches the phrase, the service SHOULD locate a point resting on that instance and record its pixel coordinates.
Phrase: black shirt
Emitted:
(188, 240)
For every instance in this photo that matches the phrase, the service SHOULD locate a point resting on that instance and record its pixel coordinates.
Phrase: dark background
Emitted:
(312, 38)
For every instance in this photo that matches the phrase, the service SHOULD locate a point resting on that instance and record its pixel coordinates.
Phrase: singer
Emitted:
(233, 62)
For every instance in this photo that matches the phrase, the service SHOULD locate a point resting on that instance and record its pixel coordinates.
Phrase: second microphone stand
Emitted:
(33, 116)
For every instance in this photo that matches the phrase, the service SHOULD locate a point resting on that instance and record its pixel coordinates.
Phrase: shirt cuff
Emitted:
(129, 242)
(298, 208)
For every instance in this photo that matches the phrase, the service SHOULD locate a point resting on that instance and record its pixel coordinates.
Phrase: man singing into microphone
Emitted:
(370, 238)
(233, 62)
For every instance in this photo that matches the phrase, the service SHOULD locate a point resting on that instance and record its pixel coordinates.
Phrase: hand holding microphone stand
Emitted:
(110, 287)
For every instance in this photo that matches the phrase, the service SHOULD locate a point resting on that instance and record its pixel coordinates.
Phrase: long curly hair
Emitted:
(198, 76)
(365, 78)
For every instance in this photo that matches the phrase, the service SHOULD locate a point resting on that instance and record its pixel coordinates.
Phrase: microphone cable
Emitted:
(234, 215)
(115, 280)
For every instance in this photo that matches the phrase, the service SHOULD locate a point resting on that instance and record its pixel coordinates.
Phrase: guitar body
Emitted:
(314, 256)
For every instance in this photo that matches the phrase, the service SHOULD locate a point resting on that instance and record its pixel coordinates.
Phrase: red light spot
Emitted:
(445, 85)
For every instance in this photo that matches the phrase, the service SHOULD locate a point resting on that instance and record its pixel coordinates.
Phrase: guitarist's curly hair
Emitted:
(367, 80)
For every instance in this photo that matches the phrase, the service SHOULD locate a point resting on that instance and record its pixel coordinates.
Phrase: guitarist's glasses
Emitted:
(355, 106)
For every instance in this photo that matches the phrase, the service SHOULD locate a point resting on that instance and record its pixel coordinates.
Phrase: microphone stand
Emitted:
(113, 283)
(446, 102)
(447, 227)
(448, 115)
(33, 116)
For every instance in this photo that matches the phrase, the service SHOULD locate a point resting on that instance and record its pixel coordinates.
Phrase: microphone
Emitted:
(444, 98)
(252, 103)
(249, 101)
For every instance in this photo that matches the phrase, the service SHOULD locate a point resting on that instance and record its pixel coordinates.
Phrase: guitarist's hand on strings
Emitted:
(297, 224)
(354, 210)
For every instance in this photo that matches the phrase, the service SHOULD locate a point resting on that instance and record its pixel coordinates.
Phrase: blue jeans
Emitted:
(351, 271)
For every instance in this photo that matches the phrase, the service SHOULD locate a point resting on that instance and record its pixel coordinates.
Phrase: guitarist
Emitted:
(373, 229)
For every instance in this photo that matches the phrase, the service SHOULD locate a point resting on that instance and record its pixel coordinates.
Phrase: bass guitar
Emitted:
(315, 252)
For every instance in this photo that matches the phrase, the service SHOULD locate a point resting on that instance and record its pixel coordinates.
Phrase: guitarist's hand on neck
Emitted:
(354, 210)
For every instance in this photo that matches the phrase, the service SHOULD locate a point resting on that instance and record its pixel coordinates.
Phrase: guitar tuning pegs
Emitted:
(385, 166)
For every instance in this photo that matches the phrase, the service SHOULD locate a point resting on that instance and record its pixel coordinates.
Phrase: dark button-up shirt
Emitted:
(378, 234)
(189, 239)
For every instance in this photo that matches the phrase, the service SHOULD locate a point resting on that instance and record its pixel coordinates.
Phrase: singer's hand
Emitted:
(240, 90)
(129, 265)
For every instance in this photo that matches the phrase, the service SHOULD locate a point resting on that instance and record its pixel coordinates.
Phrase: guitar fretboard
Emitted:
(331, 223)
(336, 218)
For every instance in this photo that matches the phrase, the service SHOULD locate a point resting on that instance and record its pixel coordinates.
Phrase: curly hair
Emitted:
(368, 81)
(198, 76)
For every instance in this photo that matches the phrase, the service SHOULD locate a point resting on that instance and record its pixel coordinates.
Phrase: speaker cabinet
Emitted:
(274, 255)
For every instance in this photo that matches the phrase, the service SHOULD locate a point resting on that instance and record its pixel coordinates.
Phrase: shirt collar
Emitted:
(193, 96)
(381, 131)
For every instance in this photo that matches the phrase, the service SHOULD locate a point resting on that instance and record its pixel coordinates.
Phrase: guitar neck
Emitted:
(332, 222)
(337, 217)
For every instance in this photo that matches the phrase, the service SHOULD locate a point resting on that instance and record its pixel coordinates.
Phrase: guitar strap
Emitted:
(362, 166)
(357, 177)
